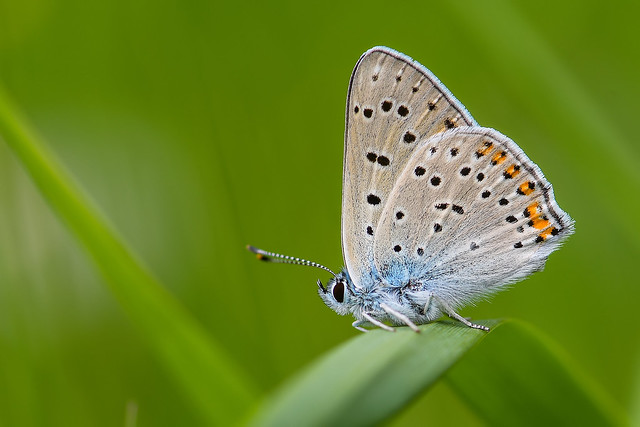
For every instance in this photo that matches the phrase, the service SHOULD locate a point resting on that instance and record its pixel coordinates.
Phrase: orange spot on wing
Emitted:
(513, 170)
(484, 149)
(525, 188)
(499, 158)
(540, 223)
(547, 232)
(532, 210)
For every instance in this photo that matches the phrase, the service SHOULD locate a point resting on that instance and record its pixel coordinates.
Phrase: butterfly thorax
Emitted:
(410, 299)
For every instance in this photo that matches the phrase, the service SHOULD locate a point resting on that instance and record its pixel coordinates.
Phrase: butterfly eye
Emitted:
(338, 291)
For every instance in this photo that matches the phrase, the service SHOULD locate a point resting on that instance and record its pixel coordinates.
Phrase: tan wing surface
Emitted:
(394, 105)
(470, 212)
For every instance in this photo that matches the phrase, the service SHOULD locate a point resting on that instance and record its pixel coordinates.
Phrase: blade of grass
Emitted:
(214, 384)
(634, 407)
(518, 377)
(514, 378)
(370, 377)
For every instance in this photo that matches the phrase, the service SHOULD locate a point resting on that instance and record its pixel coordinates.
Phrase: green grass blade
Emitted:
(215, 385)
(634, 408)
(370, 377)
(517, 377)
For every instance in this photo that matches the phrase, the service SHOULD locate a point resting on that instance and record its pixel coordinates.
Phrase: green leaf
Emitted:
(217, 388)
(370, 377)
(519, 377)
(515, 377)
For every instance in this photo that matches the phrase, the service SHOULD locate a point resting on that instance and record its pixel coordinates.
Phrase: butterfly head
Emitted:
(339, 293)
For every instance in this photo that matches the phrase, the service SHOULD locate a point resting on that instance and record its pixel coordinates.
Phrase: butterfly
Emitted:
(437, 211)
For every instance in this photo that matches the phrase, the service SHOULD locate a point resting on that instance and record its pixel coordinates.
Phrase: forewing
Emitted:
(393, 104)
(470, 212)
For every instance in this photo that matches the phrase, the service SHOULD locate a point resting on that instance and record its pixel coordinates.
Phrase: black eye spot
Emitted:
(356, 109)
(457, 209)
(397, 248)
(433, 150)
(511, 219)
(465, 171)
(338, 291)
(485, 194)
(517, 245)
(419, 171)
(403, 111)
(373, 199)
(399, 215)
(398, 78)
(431, 106)
(480, 176)
(442, 206)
(374, 77)
(383, 161)
(474, 246)
(435, 181)
(503, 202)
(437, 227)
(449, 124)
(414, 89)
(454, 152)
(409, 137)
(420, 251)
(368, 112)
(372, 157)
(520, 229)
(370, 230)
(386, 106)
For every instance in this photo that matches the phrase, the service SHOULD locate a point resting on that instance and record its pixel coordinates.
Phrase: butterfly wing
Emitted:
(393, 103)
(469, 212)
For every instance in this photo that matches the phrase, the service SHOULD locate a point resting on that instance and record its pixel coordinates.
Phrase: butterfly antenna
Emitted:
(285, 259)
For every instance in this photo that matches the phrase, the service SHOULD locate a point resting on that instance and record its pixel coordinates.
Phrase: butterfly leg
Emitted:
(428, 303)
(400, 317)
(378, 323)
(456, 316)
(357, 324)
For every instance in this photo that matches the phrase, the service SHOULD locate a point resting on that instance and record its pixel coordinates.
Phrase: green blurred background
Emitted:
(199, 127)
